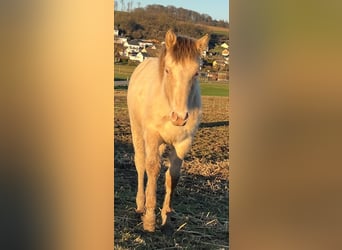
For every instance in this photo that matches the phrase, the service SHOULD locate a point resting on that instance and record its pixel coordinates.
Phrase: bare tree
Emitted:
(116, 5)
(122, 5)
(130, 6)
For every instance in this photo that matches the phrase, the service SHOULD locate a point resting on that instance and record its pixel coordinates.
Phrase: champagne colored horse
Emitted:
(164, 108)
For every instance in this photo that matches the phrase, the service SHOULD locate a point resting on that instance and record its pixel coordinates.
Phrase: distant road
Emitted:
(120, 83)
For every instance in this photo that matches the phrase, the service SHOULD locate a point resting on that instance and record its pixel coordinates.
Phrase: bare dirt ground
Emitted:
(201, 218)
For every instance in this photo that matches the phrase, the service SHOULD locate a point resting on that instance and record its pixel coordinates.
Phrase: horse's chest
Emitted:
(172, 134)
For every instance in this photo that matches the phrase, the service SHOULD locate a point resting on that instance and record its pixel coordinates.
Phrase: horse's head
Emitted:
(179, 65)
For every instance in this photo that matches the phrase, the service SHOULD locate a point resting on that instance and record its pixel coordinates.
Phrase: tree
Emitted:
(130, 6)
(118, 48)
(161, 18)
(122, 5)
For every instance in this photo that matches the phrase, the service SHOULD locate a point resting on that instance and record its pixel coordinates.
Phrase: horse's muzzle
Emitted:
(177, 120)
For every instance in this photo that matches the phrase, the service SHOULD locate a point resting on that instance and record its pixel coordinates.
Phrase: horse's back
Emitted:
(145, 72)
(140, 88)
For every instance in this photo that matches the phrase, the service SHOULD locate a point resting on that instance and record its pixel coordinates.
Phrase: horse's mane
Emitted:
(184, 48)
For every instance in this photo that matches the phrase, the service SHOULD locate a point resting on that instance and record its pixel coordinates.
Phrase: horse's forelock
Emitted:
(184, 49)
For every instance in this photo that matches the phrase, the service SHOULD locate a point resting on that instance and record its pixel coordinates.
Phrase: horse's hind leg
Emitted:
(139, 159)
(171, 179)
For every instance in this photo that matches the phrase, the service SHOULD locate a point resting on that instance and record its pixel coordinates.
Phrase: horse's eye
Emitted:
(166, 71)
(196, 74)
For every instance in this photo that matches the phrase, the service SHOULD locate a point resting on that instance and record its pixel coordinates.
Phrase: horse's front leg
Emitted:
(176, 157)
(152, 143)
(139, 159)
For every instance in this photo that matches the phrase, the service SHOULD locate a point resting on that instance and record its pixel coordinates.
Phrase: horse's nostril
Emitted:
(174, 116)
(186, 116)
(179, 120)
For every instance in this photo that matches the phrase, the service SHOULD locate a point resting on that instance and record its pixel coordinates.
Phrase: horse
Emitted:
(164, 106)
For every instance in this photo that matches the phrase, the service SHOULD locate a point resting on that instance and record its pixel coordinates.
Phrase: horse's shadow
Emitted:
(214, 124)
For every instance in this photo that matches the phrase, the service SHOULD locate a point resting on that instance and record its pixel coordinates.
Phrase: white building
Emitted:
(137, 57)
(132, 47)
(145, 44)
(224, 45)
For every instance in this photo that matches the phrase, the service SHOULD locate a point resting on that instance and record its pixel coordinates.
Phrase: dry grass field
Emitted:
(201, 218)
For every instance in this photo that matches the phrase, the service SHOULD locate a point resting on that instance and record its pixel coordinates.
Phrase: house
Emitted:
(224, 45)
(116, 32)
(212, 76)
(132, 46)
(219, 63)
(138, 57)
(225, 52)
(120, 40)
(143, 44)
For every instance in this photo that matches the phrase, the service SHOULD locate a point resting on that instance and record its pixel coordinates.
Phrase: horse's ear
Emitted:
(170, 39)
(202, 43)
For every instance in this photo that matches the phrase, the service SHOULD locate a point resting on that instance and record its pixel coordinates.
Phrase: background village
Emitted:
(214, 62)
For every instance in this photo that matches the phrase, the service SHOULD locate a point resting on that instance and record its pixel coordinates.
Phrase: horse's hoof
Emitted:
(149, 228)
(139, 211)
(149, 223)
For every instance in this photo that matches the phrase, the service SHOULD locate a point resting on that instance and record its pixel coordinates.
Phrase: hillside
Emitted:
(136, 25)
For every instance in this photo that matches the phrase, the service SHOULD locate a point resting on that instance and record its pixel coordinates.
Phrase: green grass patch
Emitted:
(207, 89)
(120, 87)
(214, 89)
(124, 68)
(121, 77)
(122, 72)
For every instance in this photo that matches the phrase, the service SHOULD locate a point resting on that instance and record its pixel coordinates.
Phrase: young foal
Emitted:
(164, 108)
